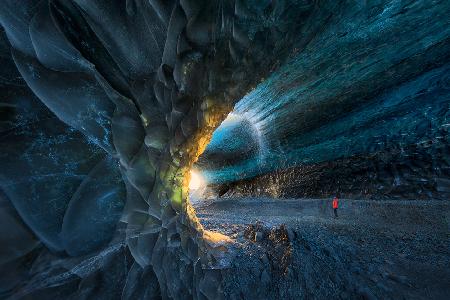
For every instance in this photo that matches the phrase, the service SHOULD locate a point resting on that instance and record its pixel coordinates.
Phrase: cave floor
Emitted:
(375, 249)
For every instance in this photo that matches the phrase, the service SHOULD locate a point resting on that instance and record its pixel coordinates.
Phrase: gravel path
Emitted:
(374, 249)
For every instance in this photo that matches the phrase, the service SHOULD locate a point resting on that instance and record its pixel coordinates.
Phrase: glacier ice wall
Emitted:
(121, 98)
(107, 104)
(359, 110)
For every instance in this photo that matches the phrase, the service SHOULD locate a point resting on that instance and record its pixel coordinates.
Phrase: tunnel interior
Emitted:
(191, 149)
(386, 147)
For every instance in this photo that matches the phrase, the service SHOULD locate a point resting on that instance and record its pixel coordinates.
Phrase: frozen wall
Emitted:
(107, 104)
(365, 106)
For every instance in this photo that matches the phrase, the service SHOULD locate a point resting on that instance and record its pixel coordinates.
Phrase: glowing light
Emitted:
(196, 181)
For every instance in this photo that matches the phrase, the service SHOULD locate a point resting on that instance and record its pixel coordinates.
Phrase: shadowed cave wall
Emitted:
(107, 104)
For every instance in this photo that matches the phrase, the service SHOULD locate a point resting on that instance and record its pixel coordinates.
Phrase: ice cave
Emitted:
(224, 149)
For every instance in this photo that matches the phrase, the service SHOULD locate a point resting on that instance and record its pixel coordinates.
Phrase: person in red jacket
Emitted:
(335, 204)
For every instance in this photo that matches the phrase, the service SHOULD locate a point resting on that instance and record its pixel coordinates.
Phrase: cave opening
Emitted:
(236, 144)
(236, 153)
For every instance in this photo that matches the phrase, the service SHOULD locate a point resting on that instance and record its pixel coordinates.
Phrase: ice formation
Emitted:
(106, 106)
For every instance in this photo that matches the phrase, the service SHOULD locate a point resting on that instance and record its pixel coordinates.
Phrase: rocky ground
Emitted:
(286, 249)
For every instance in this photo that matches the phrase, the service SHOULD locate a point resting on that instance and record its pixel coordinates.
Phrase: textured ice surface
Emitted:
(410, 119)
(356, 90)
(105, 105)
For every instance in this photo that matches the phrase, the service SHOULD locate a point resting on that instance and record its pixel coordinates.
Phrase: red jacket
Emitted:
(335, 203)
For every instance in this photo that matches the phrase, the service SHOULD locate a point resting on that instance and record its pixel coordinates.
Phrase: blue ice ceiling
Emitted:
(284, 121)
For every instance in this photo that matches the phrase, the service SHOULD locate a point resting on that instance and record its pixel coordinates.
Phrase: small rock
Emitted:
(265, 278)
(265, 259)
(291, 234)
(258, 236)
(366, 294)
